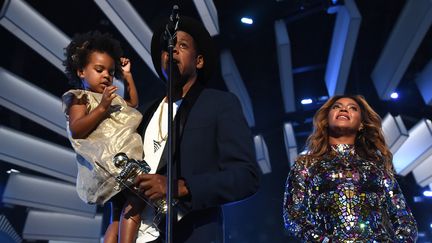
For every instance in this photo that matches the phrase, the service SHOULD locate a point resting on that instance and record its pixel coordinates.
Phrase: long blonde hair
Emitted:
(369, 141)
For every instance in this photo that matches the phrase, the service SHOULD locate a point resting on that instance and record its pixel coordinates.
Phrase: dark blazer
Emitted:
(214, 154)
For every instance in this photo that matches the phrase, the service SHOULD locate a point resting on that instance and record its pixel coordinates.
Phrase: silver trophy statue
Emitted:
(130, 168)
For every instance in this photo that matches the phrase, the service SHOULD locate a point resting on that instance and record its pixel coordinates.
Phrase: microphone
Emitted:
(173, 21)
(169, 37)
(174, 17)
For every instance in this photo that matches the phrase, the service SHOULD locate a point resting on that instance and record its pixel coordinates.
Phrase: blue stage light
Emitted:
(246, 20)
(394, 95)
(12, 171)
(427, 193)
(306, 101)
(418, 199)
(323, 98)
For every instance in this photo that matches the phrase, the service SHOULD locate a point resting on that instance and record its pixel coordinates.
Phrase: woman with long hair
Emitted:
(343, 189)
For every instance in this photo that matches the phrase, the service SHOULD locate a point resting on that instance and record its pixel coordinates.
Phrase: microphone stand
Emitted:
(171, 34)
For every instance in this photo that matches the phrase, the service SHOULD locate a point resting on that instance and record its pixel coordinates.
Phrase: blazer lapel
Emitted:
(147, 112)
(180, 122)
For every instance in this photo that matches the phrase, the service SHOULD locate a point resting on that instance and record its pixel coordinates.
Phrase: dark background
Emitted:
(310, 29)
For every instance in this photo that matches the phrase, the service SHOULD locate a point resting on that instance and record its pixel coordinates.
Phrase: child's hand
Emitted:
(107, 96)
(129, 82)
(126, 64)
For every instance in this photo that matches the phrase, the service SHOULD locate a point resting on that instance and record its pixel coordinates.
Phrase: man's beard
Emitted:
(178, 80)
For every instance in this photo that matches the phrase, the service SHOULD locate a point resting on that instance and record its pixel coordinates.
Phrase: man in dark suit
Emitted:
(214, 159)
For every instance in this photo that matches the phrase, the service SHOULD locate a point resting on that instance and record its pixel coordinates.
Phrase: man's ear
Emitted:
(200, 61)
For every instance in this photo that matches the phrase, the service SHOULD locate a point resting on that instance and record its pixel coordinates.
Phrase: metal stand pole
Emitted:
(170, 142)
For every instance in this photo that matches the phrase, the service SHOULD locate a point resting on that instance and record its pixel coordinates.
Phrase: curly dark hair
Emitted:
(368, 141)
(80, 48)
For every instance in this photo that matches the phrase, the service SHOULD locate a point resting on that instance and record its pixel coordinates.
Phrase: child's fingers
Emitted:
(112, 87)
(124, 61)
(110, 91)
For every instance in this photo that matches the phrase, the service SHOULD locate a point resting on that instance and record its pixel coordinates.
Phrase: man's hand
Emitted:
(154, 186)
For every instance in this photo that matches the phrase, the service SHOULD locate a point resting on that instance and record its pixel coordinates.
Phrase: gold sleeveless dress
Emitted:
(115, 134)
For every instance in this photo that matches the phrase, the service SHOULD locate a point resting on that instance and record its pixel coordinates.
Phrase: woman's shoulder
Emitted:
(304, 160)
(310, 162)
(307, 158)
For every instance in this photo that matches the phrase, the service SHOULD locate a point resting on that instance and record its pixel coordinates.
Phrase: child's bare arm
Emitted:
(131, 88)
(81, 123)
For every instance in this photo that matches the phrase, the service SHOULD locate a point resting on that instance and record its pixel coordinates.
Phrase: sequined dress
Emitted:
(344, 198)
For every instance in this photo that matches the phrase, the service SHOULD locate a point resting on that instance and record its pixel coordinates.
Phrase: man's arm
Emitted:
(237, 176)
